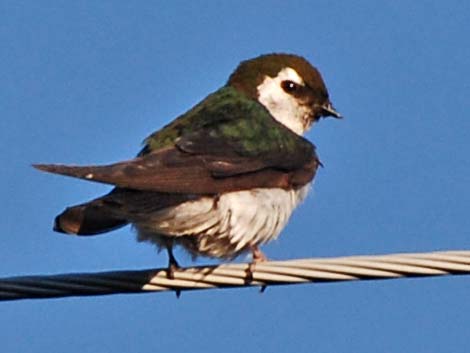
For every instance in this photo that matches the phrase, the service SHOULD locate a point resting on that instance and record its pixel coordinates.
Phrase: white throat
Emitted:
(283, 106)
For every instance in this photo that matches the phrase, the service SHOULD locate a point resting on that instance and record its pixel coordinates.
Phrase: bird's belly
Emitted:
(223, 226)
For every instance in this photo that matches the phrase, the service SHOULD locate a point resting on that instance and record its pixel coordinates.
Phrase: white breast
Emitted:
(225, 226)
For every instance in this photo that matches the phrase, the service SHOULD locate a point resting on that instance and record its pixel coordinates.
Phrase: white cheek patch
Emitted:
(282, 106)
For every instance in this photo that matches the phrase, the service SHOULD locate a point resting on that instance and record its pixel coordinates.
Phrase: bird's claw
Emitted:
(258, 256)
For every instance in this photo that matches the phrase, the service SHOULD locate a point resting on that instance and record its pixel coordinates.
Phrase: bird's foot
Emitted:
(172, 268)
(258, 257)
(172, 263)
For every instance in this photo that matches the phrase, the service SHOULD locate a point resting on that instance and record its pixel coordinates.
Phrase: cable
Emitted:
(233, 275)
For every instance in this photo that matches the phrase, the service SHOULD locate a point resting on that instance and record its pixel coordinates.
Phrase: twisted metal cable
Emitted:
(239, 275)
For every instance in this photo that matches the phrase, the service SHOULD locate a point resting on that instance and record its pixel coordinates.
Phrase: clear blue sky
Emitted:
(86, 81)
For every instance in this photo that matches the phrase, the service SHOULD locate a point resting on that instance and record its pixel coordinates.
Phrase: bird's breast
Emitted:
(226, 225)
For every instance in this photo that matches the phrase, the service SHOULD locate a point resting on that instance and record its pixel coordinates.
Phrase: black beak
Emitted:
(328, 110)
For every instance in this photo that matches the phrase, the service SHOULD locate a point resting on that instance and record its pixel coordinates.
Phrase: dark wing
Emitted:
(231, 144)
(174, 171)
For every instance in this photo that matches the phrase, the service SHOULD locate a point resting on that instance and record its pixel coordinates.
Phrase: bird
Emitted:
(221, 179)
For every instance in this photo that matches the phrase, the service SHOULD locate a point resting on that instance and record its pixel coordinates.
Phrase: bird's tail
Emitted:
(89, 218)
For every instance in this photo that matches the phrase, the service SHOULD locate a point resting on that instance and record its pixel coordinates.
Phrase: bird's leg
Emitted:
(172, 263)
(258, 256)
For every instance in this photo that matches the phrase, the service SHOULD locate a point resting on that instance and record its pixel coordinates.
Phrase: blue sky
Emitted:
(85, 82)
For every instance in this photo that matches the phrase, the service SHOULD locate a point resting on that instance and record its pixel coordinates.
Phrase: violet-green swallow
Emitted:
(221, 179)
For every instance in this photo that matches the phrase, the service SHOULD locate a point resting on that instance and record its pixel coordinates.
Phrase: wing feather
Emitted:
(173, 171)
(228, 142)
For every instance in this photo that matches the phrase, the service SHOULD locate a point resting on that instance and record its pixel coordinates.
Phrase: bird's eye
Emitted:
(289, 86)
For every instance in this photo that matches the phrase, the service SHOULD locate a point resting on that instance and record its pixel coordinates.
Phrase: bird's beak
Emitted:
(328, 110)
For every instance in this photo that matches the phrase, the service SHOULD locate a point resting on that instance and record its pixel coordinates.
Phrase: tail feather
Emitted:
(90, 218)
(115, 210)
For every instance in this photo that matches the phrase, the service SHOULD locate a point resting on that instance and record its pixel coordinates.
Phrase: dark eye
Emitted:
(289, 86)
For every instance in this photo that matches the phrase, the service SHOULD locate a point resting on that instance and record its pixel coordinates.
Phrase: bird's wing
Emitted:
(230, 144)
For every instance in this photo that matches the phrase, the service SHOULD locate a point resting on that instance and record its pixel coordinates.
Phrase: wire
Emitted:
(233, 275)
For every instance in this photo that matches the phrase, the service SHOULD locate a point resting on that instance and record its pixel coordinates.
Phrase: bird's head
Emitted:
(288, 86)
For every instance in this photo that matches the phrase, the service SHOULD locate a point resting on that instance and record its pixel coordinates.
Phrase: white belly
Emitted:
(223, 226)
